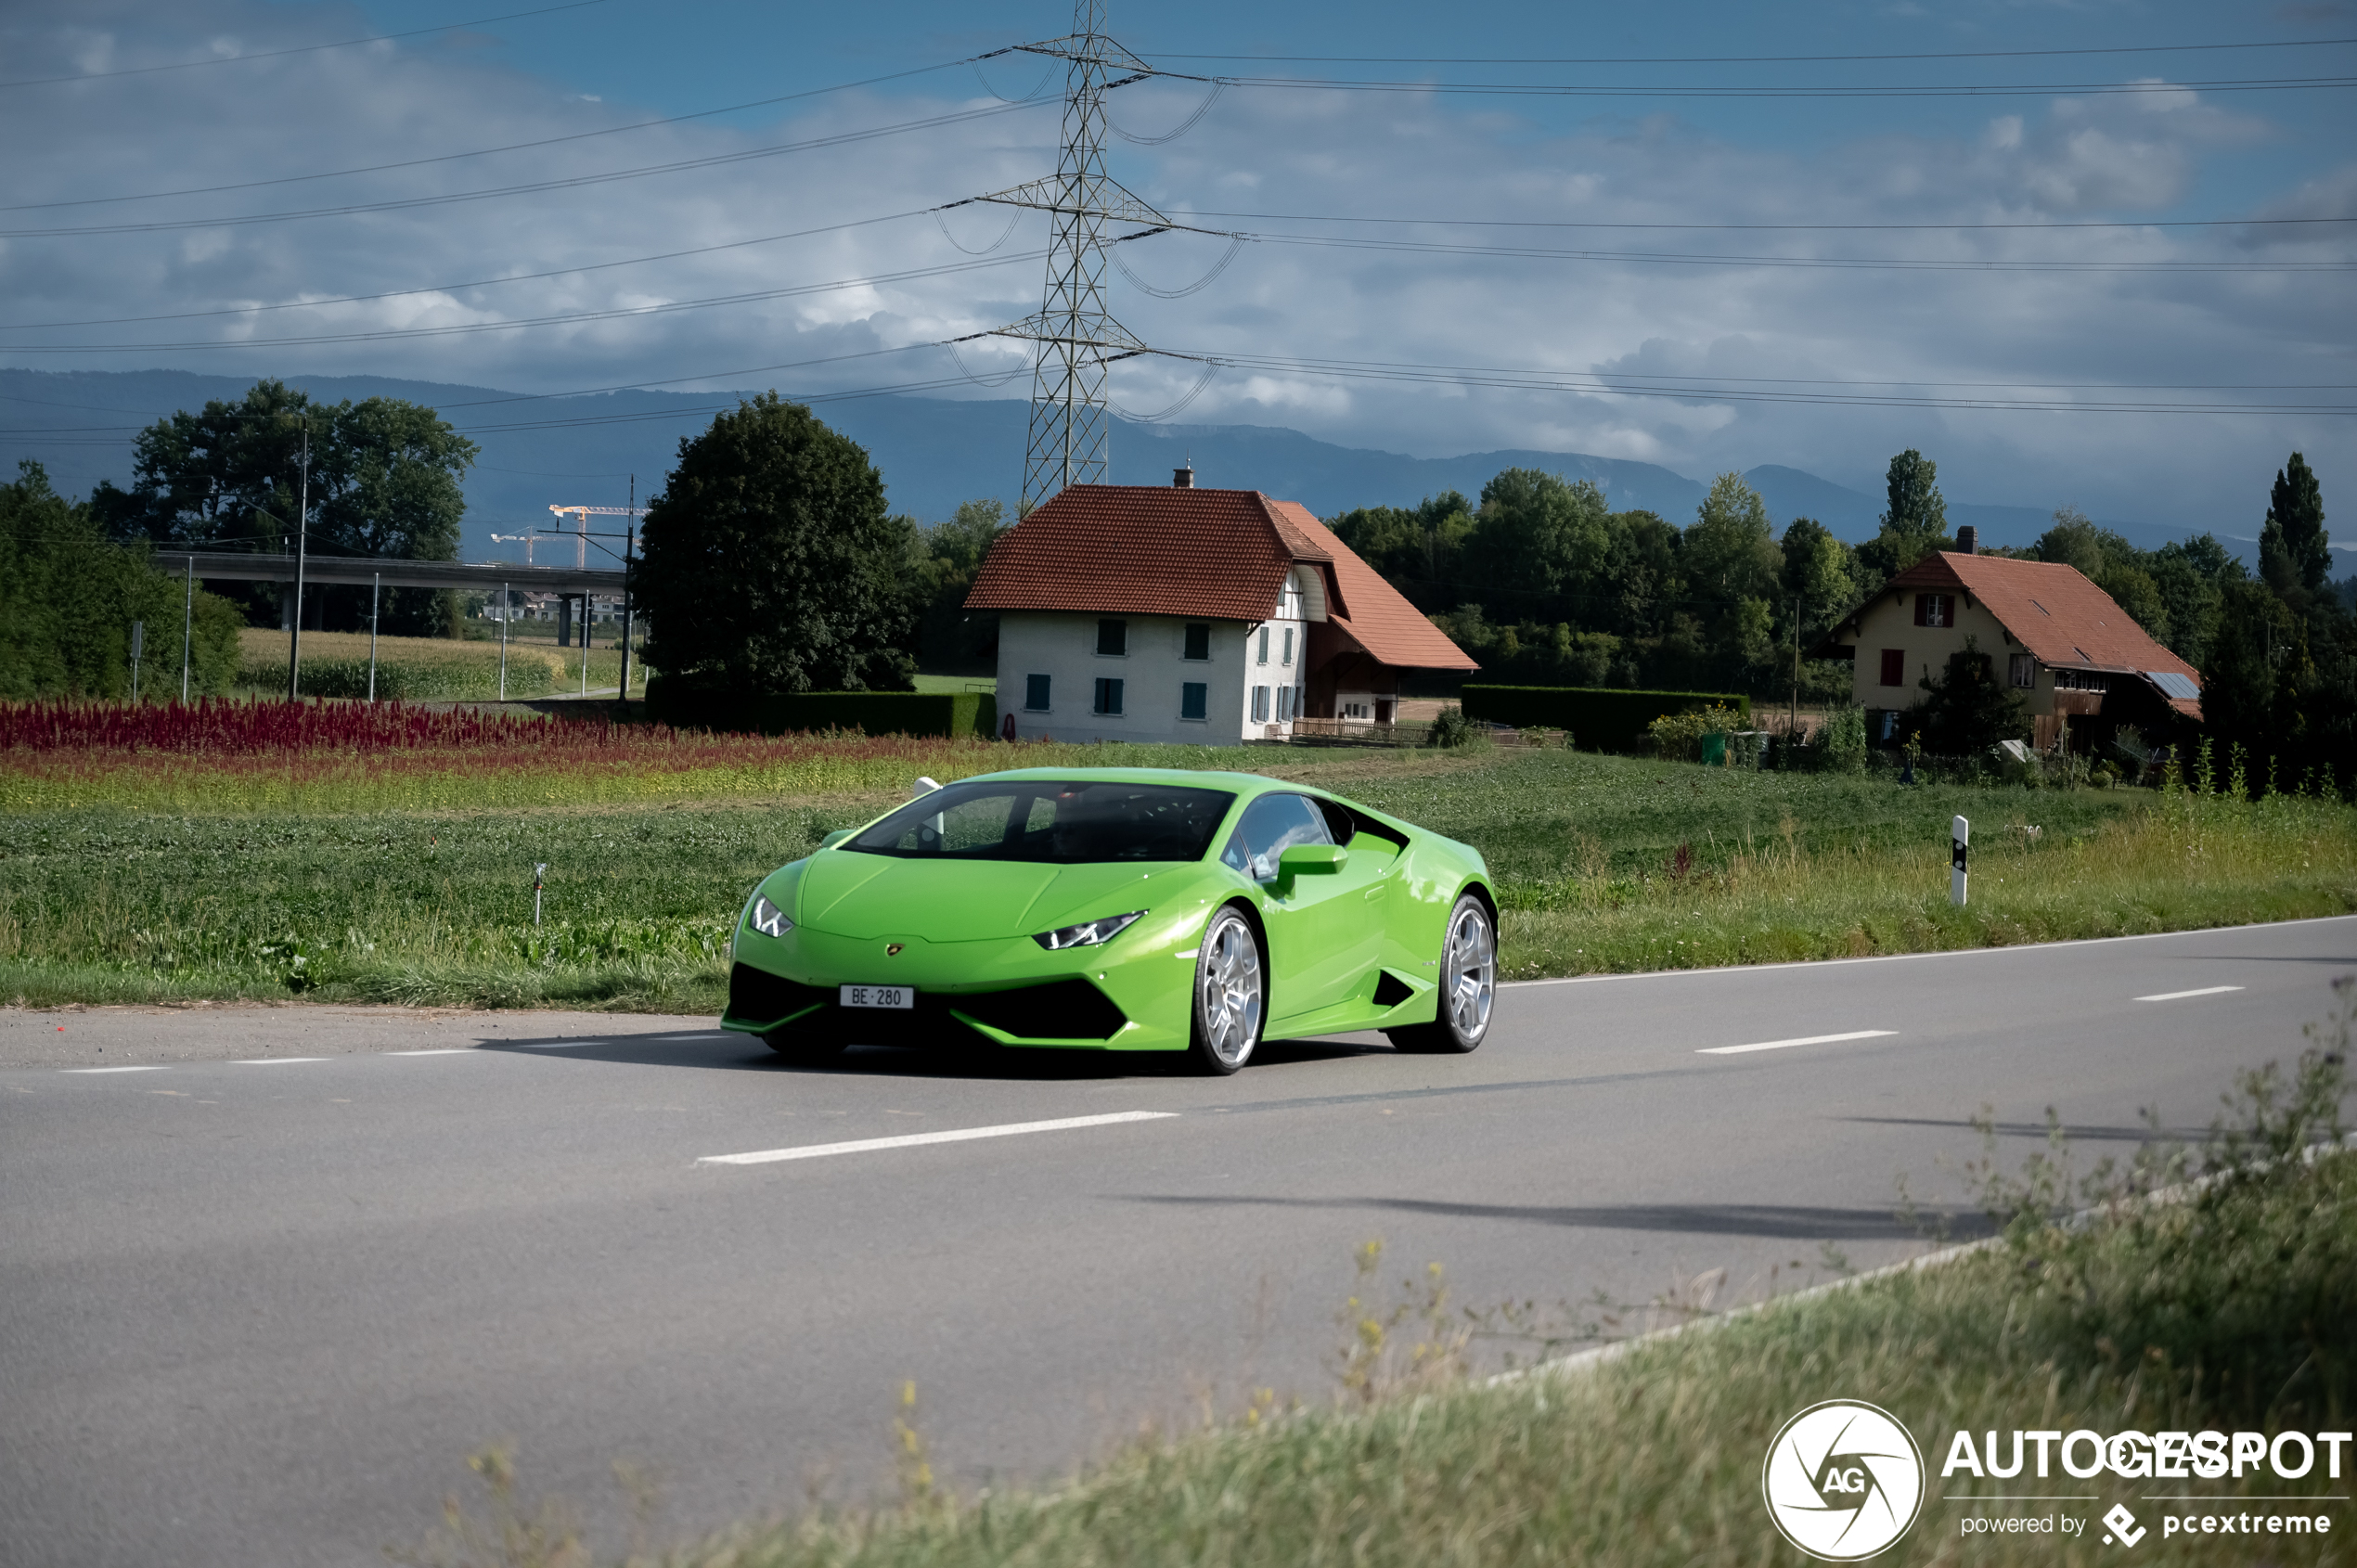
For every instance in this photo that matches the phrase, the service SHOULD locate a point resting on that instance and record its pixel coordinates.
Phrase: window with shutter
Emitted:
(1894, 666)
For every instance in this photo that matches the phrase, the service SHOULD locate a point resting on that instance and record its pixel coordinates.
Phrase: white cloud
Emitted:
(1416, 155)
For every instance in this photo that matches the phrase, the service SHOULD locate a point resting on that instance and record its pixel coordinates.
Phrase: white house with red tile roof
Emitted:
(1136, 612)
(2058, 639)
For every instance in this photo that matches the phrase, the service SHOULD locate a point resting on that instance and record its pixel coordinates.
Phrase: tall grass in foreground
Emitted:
(2231, 1307)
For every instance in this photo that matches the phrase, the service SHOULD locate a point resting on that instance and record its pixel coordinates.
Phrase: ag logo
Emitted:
(1843, 1480)
(891, 949)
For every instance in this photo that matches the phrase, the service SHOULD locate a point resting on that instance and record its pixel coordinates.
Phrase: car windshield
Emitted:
(1070, 822)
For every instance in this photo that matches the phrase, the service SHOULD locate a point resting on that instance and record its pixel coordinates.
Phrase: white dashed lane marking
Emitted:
(912, 1140)
(1804, 1040)
(2181, 996)
(451, 1050)
(111, 1068)
(277, 1061)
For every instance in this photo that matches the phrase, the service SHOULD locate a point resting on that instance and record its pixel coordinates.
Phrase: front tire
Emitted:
(1468, 985)
(1231, 995)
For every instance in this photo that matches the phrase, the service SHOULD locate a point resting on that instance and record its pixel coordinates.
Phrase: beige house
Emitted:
(2057, 638)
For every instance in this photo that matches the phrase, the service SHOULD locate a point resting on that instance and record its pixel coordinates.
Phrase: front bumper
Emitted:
(1006, 992)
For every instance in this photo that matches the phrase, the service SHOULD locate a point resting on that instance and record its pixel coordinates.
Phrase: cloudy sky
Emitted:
(1710, 235)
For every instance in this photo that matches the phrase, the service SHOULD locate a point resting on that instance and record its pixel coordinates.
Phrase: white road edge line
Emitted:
(447, 1050)
(155, 1068)
(2181, 996)
(1754, 970)
(275, 1061)
(1804, 1040)
(911, 1141)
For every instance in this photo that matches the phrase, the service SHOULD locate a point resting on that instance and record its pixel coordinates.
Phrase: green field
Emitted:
(155, 877)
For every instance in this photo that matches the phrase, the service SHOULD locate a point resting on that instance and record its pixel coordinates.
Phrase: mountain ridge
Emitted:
(934, 452)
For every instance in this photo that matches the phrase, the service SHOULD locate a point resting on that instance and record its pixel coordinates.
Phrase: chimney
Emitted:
(1183, 479)
(1968, 540)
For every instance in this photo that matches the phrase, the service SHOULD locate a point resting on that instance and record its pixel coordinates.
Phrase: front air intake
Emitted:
(1068, 1010)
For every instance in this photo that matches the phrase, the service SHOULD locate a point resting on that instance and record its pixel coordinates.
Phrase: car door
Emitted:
(1313, 923)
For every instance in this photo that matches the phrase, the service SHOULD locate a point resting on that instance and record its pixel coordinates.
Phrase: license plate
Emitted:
(879, 997)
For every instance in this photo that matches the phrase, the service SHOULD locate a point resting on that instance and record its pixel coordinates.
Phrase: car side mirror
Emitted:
(1310, 860)
(836, 837)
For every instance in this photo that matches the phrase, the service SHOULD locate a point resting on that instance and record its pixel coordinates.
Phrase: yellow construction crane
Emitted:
(581, 561)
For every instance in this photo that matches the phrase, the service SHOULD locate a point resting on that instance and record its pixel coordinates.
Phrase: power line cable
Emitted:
(1969, 90)
(300, 49)
(957, 117)
(475, 283)
(1782, 228)
(1753, 60)
(566, 319)
(485, 152)
(1870, 263)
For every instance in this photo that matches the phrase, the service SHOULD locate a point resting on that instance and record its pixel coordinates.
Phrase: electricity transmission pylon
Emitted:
(1077, 337)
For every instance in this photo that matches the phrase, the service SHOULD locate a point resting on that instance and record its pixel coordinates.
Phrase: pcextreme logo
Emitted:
(1843, 1480)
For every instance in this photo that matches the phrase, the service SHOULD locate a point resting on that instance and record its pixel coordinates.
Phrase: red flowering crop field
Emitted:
(343, 757)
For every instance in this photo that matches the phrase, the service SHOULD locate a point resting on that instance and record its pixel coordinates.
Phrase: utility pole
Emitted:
(1077, 335)
(629, 542)
(302, 517)
(1792, 726)
(376, 586)
(506, 610)
(188, 625)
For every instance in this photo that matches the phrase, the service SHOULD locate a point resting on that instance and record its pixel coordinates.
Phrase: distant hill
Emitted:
(935, 453)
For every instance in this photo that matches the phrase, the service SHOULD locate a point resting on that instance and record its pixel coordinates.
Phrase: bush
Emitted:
(1841, 740)
(873, 712)
(1679, 737)
(1607, 719)
(1451, 729)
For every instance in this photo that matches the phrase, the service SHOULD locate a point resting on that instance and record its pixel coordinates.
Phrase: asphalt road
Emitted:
(265, 1281)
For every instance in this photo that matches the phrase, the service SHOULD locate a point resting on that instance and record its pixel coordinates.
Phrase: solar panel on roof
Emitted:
(2171, 684)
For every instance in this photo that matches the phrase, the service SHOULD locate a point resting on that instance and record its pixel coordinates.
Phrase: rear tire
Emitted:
(1231, 995)
(1468, 985)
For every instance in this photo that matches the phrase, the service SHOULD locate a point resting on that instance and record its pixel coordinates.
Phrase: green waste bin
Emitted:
(1714, 748)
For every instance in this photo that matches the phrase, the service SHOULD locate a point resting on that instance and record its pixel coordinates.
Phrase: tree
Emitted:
(68, 596)
(1416, 548)
(2295, 553)
(385, 481)
(1965, 709)
(1914, 523)
(1537, 534)
(1731, 547)
(949, 639)
(2192, 577)
(770, 565)
(1820, 573)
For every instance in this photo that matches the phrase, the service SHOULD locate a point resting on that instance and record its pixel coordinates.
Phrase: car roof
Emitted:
(1215, 778)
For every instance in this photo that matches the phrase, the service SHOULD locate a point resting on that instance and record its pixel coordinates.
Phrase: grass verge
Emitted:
(2229, 1309)
(405, 874)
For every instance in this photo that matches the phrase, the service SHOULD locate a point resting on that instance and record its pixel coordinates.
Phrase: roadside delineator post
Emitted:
(1959, 842)
(538, 873)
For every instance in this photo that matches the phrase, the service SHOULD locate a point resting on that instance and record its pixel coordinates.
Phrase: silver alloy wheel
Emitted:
(1469, 974)
(1229, 990)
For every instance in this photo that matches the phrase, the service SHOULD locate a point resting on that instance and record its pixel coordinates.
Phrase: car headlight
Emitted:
(1087, 933)
(768, 920)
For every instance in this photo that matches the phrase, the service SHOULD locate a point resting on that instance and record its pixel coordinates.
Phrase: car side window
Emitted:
(1338, 821)
(1271, 825)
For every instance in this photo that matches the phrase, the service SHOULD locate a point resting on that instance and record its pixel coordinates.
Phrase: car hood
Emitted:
(848, 893)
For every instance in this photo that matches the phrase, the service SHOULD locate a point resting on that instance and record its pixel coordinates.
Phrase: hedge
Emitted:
(874, 713)
(1599, 718)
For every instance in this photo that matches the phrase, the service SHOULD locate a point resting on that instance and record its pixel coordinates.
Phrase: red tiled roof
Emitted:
(1135, 549)
(1140, 549)
(1370, 610)
(2055, 612)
